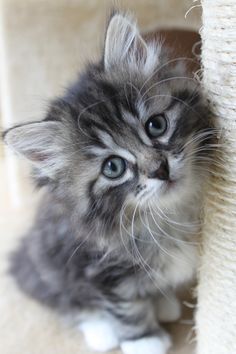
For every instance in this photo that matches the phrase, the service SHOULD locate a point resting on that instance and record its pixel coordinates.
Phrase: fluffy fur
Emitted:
(110, 252)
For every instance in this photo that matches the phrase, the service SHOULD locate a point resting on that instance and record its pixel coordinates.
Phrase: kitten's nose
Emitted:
(162, 172)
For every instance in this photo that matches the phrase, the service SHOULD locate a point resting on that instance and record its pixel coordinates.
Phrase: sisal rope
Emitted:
(216, 315)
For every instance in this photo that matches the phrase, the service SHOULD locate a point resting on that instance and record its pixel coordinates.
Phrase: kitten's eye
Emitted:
(114, 167)
(156, 126)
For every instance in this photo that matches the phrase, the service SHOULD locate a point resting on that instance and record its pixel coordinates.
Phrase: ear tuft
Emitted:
(123, 43)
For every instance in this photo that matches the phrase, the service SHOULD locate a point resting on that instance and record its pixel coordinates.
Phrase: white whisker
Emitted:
(167, 80)
(164, 65)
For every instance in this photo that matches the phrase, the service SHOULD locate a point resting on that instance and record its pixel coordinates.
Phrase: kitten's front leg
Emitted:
(99, 332)
(141, 331)
(130, 325)
(167, 308)
(156, 344)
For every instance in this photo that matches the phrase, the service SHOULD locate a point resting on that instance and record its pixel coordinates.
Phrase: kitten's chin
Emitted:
(178, 192)
(169, 195)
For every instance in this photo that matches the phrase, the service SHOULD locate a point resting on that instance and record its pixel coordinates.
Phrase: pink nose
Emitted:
(162, 172)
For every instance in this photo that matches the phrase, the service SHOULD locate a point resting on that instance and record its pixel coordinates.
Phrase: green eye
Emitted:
(114, 167)
(156, 126)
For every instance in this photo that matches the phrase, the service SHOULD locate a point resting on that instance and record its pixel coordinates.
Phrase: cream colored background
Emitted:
(43, 44)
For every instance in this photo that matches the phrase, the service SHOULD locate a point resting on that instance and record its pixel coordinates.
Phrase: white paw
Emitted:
(147, 345)
(99, 335)
(168, 309)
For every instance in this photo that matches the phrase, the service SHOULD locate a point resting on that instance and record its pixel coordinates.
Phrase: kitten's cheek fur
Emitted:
(147, 345)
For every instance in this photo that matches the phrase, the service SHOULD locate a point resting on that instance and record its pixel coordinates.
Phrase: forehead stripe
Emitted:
(113, 147)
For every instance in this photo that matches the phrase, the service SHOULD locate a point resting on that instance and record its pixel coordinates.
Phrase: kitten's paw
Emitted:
(99, 335)
(168, 309)
(147, 345)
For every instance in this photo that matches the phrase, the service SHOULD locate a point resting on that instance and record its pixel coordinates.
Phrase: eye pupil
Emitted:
(114, 167)
(156, 126)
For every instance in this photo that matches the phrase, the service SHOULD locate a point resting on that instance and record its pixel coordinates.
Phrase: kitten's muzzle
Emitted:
(162, 172)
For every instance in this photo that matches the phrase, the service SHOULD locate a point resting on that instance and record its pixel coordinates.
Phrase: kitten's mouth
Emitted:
(170, 184)
(167, 186)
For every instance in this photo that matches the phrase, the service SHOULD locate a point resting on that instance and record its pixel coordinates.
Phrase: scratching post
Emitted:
(216, 316)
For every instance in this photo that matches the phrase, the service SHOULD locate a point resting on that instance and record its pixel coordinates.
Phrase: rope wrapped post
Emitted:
(216, 315)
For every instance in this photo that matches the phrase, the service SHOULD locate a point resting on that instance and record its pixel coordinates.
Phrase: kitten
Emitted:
(122, 157)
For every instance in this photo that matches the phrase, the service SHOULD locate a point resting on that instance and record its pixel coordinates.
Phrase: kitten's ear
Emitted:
(42, 143)
(123, 43)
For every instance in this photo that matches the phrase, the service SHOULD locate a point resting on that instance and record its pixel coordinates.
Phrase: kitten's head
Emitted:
(130, 132)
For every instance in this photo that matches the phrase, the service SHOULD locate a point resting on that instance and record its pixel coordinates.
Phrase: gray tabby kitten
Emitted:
(122, 159)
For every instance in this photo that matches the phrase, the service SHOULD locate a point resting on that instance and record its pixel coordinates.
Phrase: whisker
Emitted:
(121, 235)
(175, 98)
(152, 274)
(167, 80)
(162, 231)
(164, 65)
(172, 223)
(77, 249)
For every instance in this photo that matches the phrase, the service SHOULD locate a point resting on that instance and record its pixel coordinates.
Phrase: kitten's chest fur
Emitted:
(165, 247)
(149, 257)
